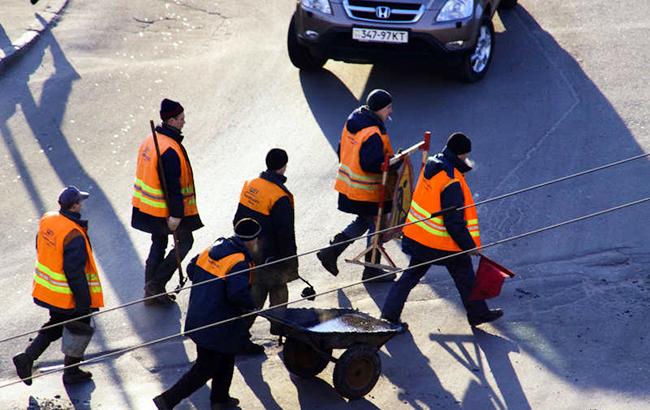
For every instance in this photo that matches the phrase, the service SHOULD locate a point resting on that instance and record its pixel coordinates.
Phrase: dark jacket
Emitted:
(278, 236)
(451, 196)
(220, 300)
(371, 156)
(74, 267)
(172, 166)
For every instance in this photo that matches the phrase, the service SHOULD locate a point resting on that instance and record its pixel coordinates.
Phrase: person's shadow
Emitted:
(107, 233)
(496, 350)
(251, 370)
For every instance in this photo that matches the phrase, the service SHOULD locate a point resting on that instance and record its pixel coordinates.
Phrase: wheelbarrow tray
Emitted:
(328, 329)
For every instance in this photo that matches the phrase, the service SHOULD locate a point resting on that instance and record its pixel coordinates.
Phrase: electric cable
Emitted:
(495, 243)
(378, 232)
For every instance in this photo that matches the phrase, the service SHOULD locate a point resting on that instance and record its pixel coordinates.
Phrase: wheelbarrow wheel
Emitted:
(303, 360)
(356, 372)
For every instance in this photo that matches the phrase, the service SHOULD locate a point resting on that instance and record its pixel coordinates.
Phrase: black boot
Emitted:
(328, 256)
(24, 362)
(74, 374)
(487, 317)
(369, 272)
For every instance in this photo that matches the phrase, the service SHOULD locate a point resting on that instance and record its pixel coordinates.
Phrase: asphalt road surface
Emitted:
(568, 90)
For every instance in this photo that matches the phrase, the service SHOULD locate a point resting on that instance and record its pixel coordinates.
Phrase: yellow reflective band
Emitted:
(187, 190)
(475, 234)
(349, 182)
(54, 288)
(368, 178)
(192, 201)
(147, 188)
(95, 289)
(426, 227)
(47, 271)
(472, 222)
(150, 202)
(420, 210)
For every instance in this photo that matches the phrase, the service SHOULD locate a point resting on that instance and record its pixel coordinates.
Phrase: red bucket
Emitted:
(489, 279)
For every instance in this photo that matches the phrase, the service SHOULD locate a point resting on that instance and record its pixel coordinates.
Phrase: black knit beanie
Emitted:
(276, 159)
(459, 144)
(247, 229)
(378, 99)
(170, 109)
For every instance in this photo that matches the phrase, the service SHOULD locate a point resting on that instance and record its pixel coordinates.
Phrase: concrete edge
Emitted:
(34, 32)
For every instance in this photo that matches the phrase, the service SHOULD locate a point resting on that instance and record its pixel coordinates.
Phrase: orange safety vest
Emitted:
(351, 180)
(260, 195)
(222, 267)
(50, 284)
(148, 195)
(431, 232)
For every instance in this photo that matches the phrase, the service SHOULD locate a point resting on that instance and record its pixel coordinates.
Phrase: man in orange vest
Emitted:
(441, 186)
(362, 150)
(267, 200)
(66, 282)
(151, 213)
(215, 301)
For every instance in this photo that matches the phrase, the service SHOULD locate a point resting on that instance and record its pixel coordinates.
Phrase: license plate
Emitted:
(380, 36)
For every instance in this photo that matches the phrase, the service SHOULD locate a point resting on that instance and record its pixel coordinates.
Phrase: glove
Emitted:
(172, 223)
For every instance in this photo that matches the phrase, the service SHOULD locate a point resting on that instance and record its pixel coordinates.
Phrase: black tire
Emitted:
(508, 4)
(299, 54)
(356, 372)
(303, 360)
(469, 72)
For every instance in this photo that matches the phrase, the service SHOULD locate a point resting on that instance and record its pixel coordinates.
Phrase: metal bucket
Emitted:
(76, 337)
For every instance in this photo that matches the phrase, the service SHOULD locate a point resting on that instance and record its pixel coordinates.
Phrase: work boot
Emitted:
(490, 316)
(370, 272)
(24, 362)
(328, 256)
(162, 300)
(160, 403)
(230, 404)
(252, 349)
(74, 374)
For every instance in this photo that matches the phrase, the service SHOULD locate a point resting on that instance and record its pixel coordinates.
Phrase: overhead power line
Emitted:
(378, 232)
(495, 243)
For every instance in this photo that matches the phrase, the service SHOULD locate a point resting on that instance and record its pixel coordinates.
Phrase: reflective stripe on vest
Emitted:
(222, 267)
(430, 231)
(351, 180)
(148, 196)
(50, 283)
(261, 195)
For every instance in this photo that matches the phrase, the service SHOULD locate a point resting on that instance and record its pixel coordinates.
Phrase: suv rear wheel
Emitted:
(299, 54)
(475, 64)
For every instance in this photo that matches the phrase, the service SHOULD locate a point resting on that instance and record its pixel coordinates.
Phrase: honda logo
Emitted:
(382, 12)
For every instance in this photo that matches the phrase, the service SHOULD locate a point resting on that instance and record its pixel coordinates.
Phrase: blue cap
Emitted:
(71, 195)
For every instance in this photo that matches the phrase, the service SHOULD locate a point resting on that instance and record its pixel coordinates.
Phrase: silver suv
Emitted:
(458, 32)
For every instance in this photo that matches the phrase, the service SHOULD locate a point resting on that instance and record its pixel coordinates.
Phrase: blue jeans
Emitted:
(360, 226)
(462, 272)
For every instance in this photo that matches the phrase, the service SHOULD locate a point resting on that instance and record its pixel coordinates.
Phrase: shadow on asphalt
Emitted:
(522, 120)
(108, 235)
(328, 397)
(251, 371)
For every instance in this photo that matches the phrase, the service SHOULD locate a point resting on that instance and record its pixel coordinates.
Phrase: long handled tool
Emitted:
(163, 184)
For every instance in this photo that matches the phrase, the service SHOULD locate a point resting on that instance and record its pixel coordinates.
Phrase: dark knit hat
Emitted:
(71, 195)
(247, 229)
(170, 109)
(378, 99)
(276, 159)
(459, 144)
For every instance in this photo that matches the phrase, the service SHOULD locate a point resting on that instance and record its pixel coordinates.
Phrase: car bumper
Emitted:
(332, 38)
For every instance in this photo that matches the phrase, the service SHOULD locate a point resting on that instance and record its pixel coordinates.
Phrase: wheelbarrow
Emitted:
(312, 334)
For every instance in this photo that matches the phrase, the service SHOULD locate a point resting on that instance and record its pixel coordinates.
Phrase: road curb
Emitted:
(34, 31)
